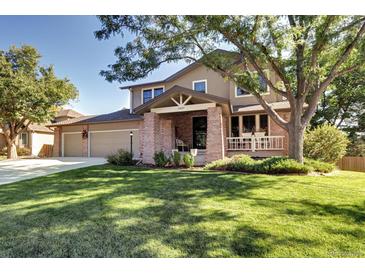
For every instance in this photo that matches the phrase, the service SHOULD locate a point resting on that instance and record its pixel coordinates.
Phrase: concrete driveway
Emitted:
(16, 170)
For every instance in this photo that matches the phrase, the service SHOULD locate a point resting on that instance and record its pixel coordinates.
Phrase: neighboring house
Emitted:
(33, 138)
(193, 108)
(36, 136)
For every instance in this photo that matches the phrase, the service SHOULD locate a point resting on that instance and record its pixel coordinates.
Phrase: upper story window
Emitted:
(200, 86)
(262, 83)
(149, 93)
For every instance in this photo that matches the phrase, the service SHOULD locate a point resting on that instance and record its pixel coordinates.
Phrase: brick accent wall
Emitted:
(151, 140)
(141, 135)
(215, 135)
(57, 146)
(166, 135)
(276, 130)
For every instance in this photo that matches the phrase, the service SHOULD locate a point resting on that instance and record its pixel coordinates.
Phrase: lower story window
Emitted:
(264, 125)
(23, 139)
(248, 123)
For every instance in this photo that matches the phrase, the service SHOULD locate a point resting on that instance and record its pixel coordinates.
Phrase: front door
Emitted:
(199, 132)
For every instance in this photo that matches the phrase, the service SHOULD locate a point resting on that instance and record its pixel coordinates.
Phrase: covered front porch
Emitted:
(183, 119)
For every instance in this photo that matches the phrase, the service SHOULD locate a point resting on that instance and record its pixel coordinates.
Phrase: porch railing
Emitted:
(256, 143)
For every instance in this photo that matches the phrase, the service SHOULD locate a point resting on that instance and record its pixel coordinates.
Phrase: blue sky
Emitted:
(68, 43)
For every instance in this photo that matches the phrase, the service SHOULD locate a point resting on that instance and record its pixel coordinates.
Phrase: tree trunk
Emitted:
(11, 150)
(296, 139)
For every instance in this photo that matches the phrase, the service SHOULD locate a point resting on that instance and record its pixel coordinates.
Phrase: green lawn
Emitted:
(106, 211)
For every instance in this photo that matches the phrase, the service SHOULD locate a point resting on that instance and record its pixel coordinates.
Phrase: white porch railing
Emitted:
(256, 143)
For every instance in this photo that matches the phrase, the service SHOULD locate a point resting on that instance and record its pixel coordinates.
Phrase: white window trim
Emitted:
(250, 95)
(153, 91)
(21, 139)
(198, 81)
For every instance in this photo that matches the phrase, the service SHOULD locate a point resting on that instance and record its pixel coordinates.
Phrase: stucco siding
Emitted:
(38, 140)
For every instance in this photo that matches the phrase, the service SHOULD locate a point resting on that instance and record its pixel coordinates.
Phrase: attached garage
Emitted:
(103, 143)
(72, 144)
(98, 136)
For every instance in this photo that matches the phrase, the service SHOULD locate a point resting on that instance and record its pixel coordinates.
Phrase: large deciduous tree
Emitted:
(29, 93)
(305, 52)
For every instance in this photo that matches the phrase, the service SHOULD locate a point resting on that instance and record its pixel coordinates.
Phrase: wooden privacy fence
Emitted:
(352, 163)
(46, 151)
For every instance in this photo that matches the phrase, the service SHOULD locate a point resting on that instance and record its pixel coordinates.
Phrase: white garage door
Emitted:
(105, 143)
(72, 145)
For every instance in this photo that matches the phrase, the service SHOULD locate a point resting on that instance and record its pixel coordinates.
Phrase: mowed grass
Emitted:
(108, 211)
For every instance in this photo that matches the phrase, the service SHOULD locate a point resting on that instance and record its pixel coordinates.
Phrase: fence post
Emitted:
(253, 145)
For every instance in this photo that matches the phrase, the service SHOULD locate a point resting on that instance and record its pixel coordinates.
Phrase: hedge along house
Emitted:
(195, 108)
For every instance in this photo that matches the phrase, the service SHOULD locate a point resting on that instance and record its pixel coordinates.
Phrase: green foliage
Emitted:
(29, 93)
(161, 160)
(325, 143)
(188, 160)
(319, 166)
(23, 151)
(356, 148)
(121, 158)
(272, 165)
(344, 104)
(176, 157)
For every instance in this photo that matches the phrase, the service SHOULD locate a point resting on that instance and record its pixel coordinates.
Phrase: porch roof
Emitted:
(284, 105)
(177, 90)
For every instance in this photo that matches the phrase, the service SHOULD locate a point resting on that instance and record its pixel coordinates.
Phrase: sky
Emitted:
(68, 43)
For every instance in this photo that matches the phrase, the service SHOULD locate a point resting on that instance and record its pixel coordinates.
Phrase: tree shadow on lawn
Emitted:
(89, 217)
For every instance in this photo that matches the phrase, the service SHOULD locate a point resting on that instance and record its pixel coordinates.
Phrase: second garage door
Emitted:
(104, 143)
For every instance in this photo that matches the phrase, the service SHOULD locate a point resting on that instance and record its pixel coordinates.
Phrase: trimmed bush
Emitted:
(281, 165)
(188, 160)
(121, 158)
(161, 160)
(272, 165)
(176, 157)
(319, 166)
(325, 143)
(23, 151)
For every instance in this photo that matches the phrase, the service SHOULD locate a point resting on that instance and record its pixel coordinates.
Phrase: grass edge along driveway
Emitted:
(108, 211)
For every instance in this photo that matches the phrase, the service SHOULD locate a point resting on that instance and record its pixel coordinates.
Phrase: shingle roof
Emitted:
(178, 89)
(117, 116)
(39, 128)
(68, 113)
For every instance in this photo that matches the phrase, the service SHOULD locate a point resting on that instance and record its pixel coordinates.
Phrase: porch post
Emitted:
(151, 136)
(215, 135)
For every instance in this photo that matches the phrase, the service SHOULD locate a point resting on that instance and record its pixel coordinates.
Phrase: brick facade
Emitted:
(276, 130)
(215, 135)
(84, 142)
(151, 140)
(56, 152)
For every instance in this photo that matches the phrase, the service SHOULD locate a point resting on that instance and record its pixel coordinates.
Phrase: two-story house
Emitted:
(195, 108)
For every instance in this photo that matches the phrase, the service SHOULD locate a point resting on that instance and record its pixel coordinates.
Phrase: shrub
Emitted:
(356, 148)
(23, 151)
(188, 160)
(272, 165)
(325, 143)
(161, 160)
(281, 165)
(176, 157)
(319, 166)
(121, 158)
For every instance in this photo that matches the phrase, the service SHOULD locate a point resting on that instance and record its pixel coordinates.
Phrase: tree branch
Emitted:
(322, 87)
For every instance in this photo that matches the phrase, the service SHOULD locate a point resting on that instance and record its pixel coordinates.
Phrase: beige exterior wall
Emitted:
(38, 140)
(216, 85)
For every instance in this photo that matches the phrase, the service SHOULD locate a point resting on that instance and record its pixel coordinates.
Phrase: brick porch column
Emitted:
(151, 136)
(167, 143)
(215, 135)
